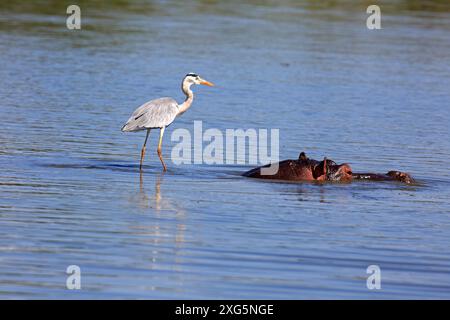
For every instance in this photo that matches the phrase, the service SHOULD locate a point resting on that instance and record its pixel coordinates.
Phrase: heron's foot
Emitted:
(162, 161)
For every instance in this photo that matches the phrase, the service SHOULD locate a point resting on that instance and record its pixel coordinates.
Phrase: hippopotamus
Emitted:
(305, 169)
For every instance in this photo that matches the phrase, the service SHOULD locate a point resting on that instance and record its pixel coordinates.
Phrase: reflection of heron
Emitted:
(160, 113)
(157, 201)
(144, 199)
(162, 204)
(166, 222)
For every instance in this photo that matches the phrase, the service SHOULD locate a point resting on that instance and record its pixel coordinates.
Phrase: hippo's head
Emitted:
(401, 176)
(328, 170)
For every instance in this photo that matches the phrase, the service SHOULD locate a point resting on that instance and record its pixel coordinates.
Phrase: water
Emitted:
(70, 190)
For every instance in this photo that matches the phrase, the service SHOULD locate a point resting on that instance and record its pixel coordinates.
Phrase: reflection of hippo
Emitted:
(305, 169)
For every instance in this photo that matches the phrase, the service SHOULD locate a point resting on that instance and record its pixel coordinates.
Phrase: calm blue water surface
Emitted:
(70, 189)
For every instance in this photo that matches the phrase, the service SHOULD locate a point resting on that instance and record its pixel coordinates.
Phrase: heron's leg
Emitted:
(143, 149)
(161, 133)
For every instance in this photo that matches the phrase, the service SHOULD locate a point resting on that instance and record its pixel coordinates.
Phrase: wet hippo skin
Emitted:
(305, 169)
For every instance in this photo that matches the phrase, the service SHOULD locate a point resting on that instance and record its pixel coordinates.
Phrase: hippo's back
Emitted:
(287, 170)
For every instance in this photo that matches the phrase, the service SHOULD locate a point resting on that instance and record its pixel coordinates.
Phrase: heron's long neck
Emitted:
(189, 98)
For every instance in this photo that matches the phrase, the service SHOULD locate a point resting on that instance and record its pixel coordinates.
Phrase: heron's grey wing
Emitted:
(153, 114)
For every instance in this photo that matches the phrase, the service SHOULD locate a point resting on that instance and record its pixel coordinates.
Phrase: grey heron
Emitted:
(160, 113)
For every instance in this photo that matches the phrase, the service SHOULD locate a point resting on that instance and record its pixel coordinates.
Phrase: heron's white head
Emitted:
(192, 78)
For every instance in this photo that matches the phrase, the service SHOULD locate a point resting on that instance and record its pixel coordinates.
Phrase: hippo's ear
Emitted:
(320, 171)
(302, 156)
(323, 173)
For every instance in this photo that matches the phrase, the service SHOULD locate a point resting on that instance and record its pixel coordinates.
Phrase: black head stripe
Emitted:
(191, 75)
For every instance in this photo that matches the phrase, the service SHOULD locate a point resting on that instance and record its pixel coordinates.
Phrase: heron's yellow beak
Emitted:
(206, 83)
